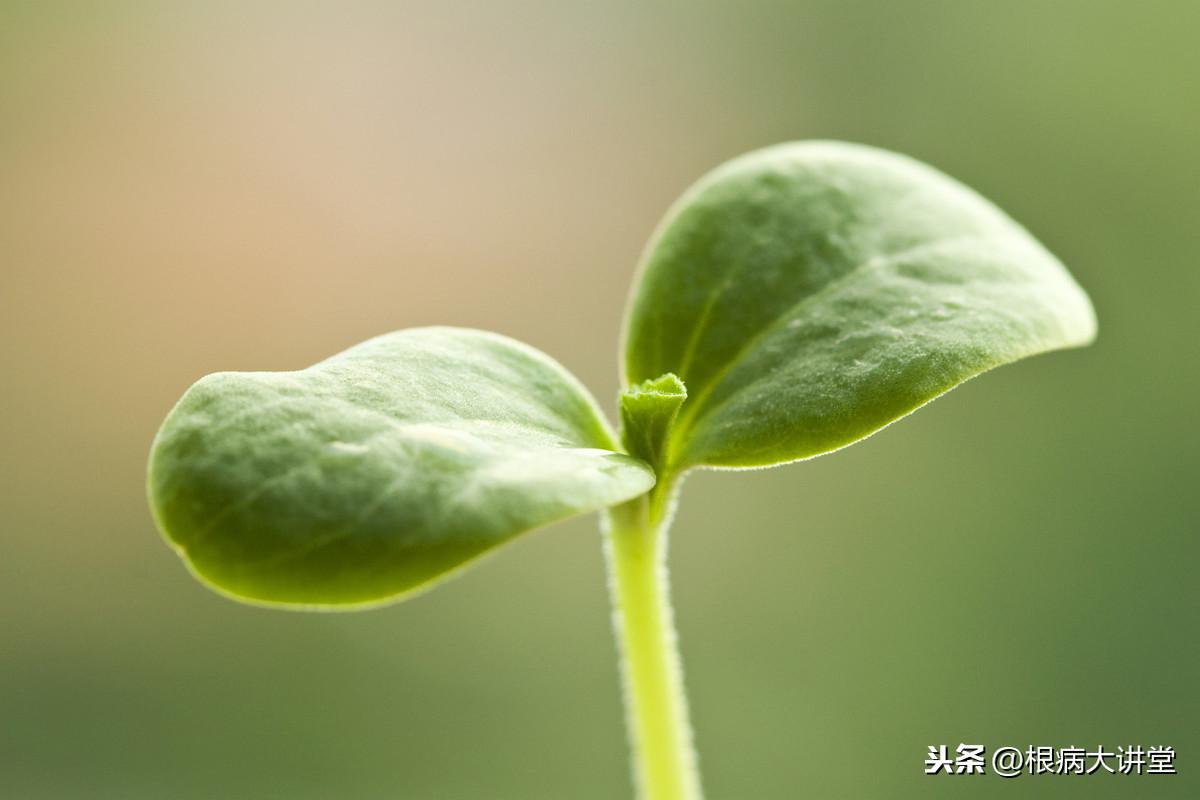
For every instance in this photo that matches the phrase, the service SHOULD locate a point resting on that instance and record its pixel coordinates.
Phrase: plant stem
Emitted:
(655, 706)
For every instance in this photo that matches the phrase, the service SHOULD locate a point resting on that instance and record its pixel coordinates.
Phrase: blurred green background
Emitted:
(191, 187)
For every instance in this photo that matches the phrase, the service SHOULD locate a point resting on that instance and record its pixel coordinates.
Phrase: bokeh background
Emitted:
(197, 186)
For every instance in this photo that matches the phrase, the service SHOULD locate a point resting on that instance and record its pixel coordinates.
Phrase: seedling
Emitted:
(794, 301)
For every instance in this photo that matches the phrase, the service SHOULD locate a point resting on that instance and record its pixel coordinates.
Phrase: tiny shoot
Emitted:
(794, 301)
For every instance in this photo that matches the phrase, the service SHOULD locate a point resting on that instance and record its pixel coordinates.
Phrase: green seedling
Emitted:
(794, 301)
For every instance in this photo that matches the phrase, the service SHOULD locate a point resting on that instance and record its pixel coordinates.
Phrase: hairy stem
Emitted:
(655, 706)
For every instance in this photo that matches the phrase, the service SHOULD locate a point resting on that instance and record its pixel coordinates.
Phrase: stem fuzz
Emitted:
(655, 705)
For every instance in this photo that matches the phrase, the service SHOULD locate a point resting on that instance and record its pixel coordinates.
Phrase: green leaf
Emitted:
(383, 468)
(811, 293)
